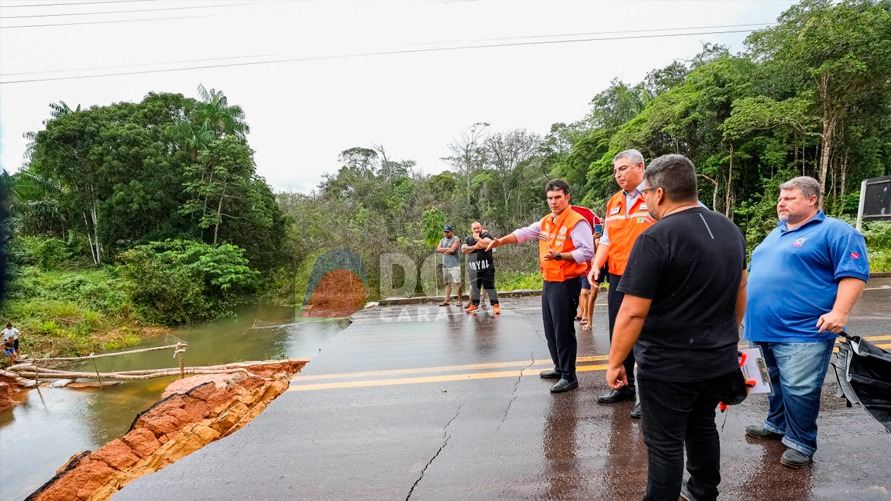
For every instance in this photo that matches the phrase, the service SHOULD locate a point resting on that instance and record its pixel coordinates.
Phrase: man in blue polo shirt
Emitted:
(804, 278)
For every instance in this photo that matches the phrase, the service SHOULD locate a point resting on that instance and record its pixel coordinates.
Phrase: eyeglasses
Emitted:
(645, 190)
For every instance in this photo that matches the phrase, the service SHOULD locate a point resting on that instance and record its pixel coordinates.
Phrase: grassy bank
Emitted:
(71, 313)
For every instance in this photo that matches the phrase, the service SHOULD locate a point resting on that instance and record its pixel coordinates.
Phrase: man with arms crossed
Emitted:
(684, 298)
(565, 244)
(805, 277)
(626, 218)
(451, 264)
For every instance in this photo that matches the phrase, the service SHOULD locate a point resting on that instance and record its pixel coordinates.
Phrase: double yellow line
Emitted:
(461, 373)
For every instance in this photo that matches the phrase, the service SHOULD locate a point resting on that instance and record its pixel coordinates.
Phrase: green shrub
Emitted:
(181, 281)
(45, 253)
(49, 327)
(878, 243)
(509, 281)
(878, 235)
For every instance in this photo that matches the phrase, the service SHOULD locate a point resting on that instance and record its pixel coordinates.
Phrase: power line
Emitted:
(532, 37)
(172, 18)
(66, 4)
(192, 7)
(135, 65)
(367, 54)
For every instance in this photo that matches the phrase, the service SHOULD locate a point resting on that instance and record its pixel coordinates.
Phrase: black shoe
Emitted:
(635, 411)
(795, 459)
(564, 385)
(686, 495)
(623, 394)
(549, 375)
(758, 431)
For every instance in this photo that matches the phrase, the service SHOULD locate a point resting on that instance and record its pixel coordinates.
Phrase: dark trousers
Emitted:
(559, 302)
(614, 302)
(483, 280)
(678, 416)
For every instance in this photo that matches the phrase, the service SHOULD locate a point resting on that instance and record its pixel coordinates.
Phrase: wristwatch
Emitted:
(557, 257)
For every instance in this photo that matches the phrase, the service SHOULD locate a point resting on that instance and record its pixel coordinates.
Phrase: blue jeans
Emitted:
(797, 371)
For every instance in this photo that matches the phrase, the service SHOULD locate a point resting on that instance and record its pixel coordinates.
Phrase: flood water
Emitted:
(40, 435)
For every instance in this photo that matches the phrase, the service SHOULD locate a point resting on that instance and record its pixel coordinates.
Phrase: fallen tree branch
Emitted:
(30, 371)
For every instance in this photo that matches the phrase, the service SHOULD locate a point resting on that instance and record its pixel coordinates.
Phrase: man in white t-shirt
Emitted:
(11, 342)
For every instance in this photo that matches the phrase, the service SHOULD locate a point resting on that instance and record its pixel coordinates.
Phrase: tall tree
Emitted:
(468, 154)
(836, 51)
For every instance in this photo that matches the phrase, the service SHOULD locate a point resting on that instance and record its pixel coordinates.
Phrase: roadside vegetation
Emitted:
(152, 214)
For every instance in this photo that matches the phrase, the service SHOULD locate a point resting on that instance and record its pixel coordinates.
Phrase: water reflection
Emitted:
(794, 483)
(563, 477)
(624, 475)
(37, 437)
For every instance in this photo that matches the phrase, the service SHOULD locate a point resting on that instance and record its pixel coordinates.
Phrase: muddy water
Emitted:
(38, 436)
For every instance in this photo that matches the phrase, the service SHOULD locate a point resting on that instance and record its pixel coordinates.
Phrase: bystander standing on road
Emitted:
(626, 218)
(583, 314)
(451, 264)
(806, 276)
(565, 244)
(684, 298)
(482, 267)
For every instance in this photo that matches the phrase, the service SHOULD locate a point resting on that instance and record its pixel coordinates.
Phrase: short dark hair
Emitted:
(676, 175)
(557, 185)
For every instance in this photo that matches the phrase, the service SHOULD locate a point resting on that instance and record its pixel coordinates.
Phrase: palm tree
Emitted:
(223, 119)
(61, 109)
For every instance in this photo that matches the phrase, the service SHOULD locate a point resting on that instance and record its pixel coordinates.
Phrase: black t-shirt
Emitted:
(480, 260)
(690, 264)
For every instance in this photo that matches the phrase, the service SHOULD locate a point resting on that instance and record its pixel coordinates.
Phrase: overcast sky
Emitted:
(317, 77)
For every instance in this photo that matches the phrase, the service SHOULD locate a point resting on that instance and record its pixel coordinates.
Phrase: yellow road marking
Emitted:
(527, 364)
(878, 338)
(428, 379)
(448, 368)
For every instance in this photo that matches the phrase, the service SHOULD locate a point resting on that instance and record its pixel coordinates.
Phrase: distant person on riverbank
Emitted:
(565, 244)
(11, 342)
(481, 266)
(451, 263)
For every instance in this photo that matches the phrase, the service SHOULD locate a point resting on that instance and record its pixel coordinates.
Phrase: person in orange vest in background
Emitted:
(565, 245)
(626, 217)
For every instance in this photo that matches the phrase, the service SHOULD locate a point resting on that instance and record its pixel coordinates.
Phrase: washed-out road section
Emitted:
(427, 402)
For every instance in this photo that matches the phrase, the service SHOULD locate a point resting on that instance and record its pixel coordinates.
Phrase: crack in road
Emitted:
(446, 436)
(516, 386)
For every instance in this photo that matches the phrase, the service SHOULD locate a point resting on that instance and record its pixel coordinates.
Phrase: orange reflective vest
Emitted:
(623, 225)
(556, 235)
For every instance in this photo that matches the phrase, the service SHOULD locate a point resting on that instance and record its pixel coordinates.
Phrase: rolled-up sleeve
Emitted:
(530, 232)
(583, 241)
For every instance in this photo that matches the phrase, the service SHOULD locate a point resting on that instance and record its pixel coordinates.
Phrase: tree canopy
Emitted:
(131, 173)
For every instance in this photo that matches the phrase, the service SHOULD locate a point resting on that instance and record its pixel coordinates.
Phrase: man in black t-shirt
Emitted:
(481, 267)
(684, 299)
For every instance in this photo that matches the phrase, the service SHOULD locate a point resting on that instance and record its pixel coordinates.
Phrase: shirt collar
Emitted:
(637, 191)
(818, 218)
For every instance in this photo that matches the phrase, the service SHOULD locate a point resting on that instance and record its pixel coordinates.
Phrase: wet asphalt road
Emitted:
(421, 402)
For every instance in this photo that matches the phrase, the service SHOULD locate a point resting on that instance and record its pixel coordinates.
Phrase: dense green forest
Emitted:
(153, 213)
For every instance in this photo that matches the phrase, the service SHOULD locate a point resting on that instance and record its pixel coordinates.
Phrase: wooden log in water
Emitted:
(31, 371)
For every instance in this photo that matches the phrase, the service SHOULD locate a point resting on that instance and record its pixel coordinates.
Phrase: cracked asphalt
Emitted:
(421, 402)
